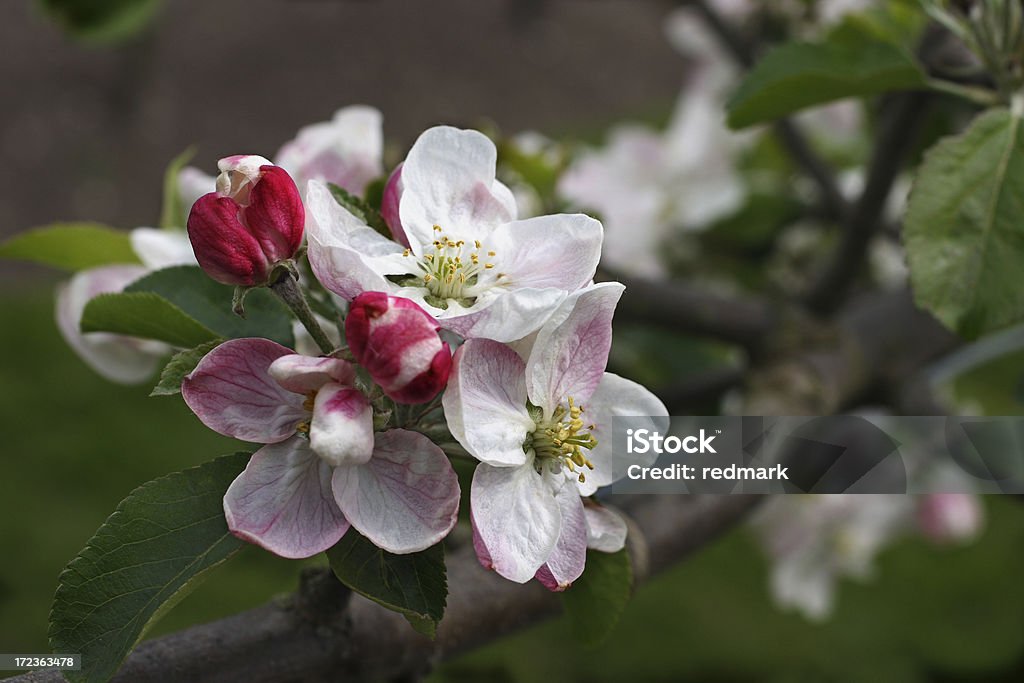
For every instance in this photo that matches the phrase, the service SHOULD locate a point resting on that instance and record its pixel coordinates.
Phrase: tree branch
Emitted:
(321, 634)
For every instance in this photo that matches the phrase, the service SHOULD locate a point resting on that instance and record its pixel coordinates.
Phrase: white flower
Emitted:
(463, 256)
(541, 428)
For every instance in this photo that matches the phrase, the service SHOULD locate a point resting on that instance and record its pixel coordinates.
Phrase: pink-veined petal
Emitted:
(283, 501)
(406, 498)
(485, 403)
(303, 374)
(619, 397)
(342, 429)
(571, 350)
(559, 251)
(232, 392)
(449, 180)
(517, 517)
(569, 556)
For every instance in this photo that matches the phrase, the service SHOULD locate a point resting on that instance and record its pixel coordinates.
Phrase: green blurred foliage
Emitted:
(101, 21)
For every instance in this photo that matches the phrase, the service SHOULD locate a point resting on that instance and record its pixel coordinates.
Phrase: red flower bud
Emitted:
(253, 221)
(397, 342)
(390, 203)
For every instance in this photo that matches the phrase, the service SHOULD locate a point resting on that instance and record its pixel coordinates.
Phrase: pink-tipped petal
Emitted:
(483, 555)
(232, 392)
(406, 498)
(569, 557)
(342, 429)
(517, 517)
(571, 350)
(485, 403)
(223, 246)
(303, 374)
(390, 203)
(568, 259)
(283, 502)
(606, 529)
(275, 215)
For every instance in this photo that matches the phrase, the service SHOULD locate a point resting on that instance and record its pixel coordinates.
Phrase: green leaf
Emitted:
(149, 554)
(101, 21)
(180, 365)
(209, 303)
(799, 75)
(172, 212)
(415, 585)
(360, 209)
(145, 315)
(964, 231)
(71, 246)
(596, 600)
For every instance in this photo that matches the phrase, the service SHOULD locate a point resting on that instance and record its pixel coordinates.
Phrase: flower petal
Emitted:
(283, 502)
(559, 251)
(406, 498)
(511, 315)
(347, 257)
(517, 517)
(485, 403)
(118, 358)
(232, 392)
(346, 150)
(162, 248)
(390, 206)
(449, 180)
(275, 214)
(223, 246)
(571, 350)
(567, 560)
(606, 529)
(618, 397)
(303, 374)
(342, 428)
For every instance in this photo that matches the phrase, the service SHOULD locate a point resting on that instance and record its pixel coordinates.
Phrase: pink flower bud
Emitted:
(949, 517)
(253, 221)
(397, 342)
(389, 206)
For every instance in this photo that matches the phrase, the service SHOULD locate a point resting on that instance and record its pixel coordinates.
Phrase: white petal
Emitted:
(517, 518)
(162, 248)
(303, 374)
(559, 251)
(619, 397)
(510, 315)
(406, 498)
(606, 529)
(345, 151)
(571, 350)
(569, 556)
(283, 502)
(485, 402)
(449, 180)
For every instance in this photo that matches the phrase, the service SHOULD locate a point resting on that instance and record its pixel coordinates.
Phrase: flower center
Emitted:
(560, 440)
(303, 427)
(451, 270)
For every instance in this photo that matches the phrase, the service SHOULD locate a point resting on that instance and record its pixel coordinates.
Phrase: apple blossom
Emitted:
(541, 428)
(251, 223)
(950, 517)
(469, 262)
(397, 342)
(118, 358)
(813, 540)
(346, 150)
(323, 468)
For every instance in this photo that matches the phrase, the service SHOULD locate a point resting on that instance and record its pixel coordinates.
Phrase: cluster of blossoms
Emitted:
(525, 392)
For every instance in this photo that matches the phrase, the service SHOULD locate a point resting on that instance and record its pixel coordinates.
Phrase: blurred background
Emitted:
(87, 130)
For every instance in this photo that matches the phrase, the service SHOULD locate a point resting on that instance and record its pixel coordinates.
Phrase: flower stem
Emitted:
(287, 289)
